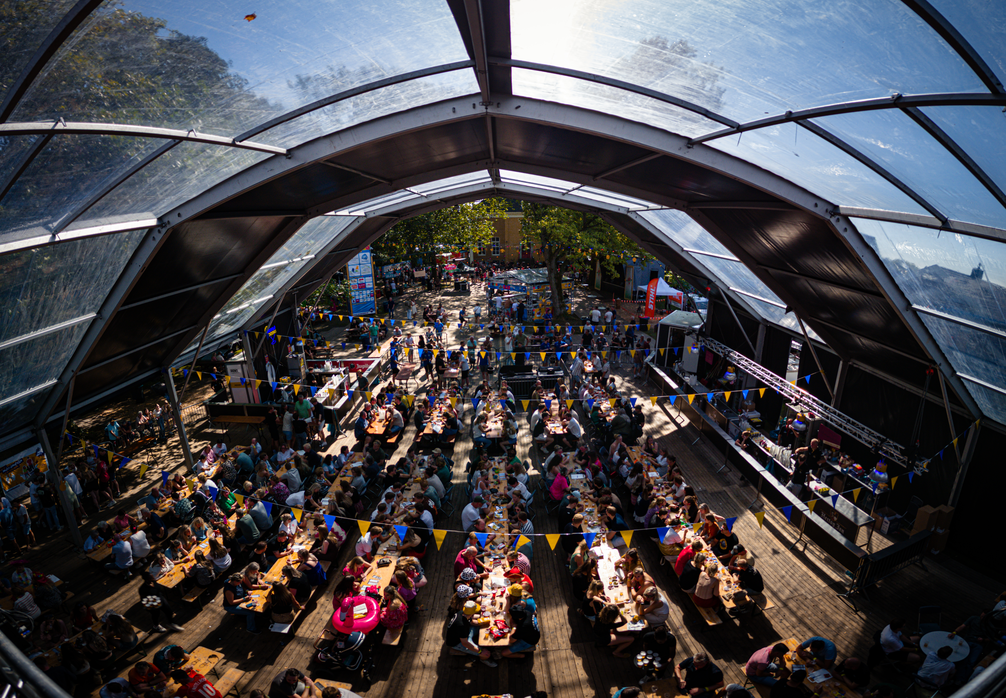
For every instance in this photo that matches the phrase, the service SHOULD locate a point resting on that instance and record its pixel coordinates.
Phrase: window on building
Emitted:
(496, 247)
(480, 251)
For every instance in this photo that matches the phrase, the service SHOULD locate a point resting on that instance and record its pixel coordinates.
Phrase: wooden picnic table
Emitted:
(823, 682)
(259, 599)
(201, 660)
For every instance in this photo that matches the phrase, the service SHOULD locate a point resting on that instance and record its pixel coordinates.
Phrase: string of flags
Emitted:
(924, 465)
(110, 455)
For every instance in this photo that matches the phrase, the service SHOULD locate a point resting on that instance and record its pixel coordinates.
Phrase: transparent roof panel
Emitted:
(981, 132)
(478, 177)
(20, 411)
(891, 138)
(614, 199)
(64, 176)
(981, 22)
(267, 281)
(953, 274)
(976, 354)
(224, 67)
(610, 100)
(34, 362)
(685, 231)
(990, 402)
(536, 180)
(23, 27)
(796, 154)
(371, 105)
(744, 59)
(49, 285)
(179, 174)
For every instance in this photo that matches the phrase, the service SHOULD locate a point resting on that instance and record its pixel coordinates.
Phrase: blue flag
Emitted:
(730, 523)
(662, 533)
(744, 394)
(350, 394)
(788, 511)
(268, 507)
(330, 521)
(548, 404)
(402, 531)
(164, 477)
(590, 403)
(481, 538)
(672, 398)
(475, 402)
(632, 401)
(589, 537)
(503, 404)
(213, 493)
(911, 476)
(273, 385)
(808, 379)
(834, 500)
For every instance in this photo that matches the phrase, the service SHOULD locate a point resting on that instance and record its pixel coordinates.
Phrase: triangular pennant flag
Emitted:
(661, 351)
(672, 398)
(811, 504)
(350, 393)
(894, 481)
(691, 396)
(955, 443)
(855, 494)
(548, 404)
(788, 511)
(503, 404)
(239, 499)
(369, 395)
(475, 402)
(143, 469)
(525, 403)
(453, 401)
(590, 403)
(662, 532)
(730, 523)
(807, 378)
(329, 519)
(875, 488)
(761, 392)
(760, 517)
(402, 531)
(268, 507)
(653, 399)
(589, 536)
(834, 500)
(632, 401)
(513, 356)
(439, 536)
(521, 540)
(569, 404)
(911, 476)
(552, 539)
(482, 538)
(199, 375)
(542, 356)
(273, 385)
(727, 395)
(612, 401)
(558, 355)
(744, 394)
(314, 391)
(497, 356)
(213, 493)
(527, 356)
(627, 536)
(296, 388)
(191, 482)
(632, 353)
(696, 527)
(297, 513)
(364, 526)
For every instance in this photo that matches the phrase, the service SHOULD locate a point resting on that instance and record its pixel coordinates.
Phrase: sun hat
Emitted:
(471, 608)
(464, 591)
(468, 574)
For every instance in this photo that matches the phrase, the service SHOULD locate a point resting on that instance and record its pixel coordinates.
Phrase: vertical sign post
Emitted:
(363, 299)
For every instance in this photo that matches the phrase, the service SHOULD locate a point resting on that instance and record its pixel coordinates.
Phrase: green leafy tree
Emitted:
(570, 239)
(458, 228)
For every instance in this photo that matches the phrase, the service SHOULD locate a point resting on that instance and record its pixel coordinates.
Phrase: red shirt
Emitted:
(199, 687)
(683, 558)
(460, 563)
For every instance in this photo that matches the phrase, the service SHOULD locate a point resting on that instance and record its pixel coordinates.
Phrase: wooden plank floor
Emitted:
(802, 582)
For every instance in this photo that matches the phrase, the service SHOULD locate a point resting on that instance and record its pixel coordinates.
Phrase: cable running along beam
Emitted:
(844, 423)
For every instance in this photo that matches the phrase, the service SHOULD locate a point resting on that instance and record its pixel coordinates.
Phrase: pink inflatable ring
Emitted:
(343, 621)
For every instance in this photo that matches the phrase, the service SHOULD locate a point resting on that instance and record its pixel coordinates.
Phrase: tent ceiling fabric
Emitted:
(778, 150)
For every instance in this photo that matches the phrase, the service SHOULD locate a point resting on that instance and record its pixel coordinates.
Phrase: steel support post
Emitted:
(176, 413)
(55, 478)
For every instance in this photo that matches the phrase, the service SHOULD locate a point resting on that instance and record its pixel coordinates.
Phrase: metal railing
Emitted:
(22, 677)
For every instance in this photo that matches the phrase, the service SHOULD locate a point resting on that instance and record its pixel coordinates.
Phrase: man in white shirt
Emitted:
(938, 668)
(553, 458)
(472, 512)
(139, 545)
(368, 541)
(595, 315)
(93, 541)
(573, 430)
(517, 487)
(73, 481)
(220, 448)
(200, 465)
(433, 480)
(608, 316)
(576, 370)
(397, 422)
(122, 556)
(292, 479)
(284, 454)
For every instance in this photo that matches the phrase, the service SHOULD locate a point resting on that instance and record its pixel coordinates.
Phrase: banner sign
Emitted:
(389, 271)
(17, 471)
(363, 299)
(651, 298)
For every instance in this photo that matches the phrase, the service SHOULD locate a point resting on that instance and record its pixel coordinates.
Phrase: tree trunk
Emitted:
(554, 282)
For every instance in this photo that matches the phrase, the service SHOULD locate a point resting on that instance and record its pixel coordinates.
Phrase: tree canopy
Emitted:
(570, 239)
(457, 228)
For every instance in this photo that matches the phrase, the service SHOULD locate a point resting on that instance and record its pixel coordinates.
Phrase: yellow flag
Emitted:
(542, 355)
(552, 539)
(569, 404)
(356, 346)
(793, 383)
(761, 518)
(525, 403)
(811, 504)
(296, 388)
(513, 355)
(894, 481)
(572, 354)
(955, 443)
(340, 317)
(192, 484)
(727, 393)
(691, 396)
(653, 399)
(612, 401)
(297, 513)
(855, 494)
(696, 527)
(258, 384)
(522, 540)
(439, 536)
(239, 500)
(368, 394)
(661, 350)
(364, 525)
(632, 353)
(143, 469)
(627, 536)
(761, 392)
(199, 375)
(454, 401)
(435, 352)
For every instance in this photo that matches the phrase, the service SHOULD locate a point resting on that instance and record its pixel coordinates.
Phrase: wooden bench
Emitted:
(229, 681)
(325, 564)
(392, 636)
(194, 594)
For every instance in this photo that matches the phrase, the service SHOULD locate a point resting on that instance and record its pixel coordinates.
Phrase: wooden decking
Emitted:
(802, 583)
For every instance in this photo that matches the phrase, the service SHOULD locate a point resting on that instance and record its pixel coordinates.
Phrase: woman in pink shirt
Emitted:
(559, 486)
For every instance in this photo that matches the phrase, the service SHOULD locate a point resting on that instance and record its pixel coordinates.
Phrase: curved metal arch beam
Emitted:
(60, 33)
(896, 101)
(931, 16)
(605, 125)
(961, 227)
(45, 128)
